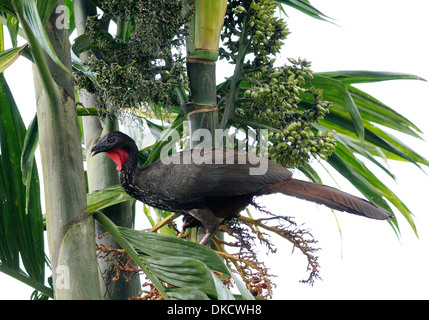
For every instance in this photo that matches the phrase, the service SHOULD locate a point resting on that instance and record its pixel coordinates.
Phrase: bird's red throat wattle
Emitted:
(119, 156)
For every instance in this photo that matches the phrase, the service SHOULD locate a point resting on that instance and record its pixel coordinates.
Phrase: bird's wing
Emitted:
(221, 173)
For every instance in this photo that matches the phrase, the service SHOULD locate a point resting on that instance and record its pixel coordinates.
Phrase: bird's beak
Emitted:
(99, 147)
(94, 151)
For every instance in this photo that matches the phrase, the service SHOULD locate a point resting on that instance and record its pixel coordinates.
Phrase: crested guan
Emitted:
(217, 189)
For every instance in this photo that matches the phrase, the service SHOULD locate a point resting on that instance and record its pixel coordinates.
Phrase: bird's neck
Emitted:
(125, 159)
(129, 172)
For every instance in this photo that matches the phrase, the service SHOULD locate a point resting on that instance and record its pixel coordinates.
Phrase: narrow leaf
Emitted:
(156, 152)
(305, 7)
(246, 295)
(72, 22)
(351, 144)
(392, 147)
(13, 27)
(107, 197)
(21, 219)
(9, 56)
(310, 173)
(9, 247)
(186, 294)
(375, 111)
(159, 245)
(336, 91)
(365, 76)
(31, 142)
(183, 272)
(21, 276)
(221, 291)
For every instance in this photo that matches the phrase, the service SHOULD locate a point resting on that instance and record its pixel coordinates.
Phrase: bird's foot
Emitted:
(206, 238)
(208, 220)
(190, 222)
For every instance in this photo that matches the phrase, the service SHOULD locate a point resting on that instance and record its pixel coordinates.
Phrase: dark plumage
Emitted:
(217, 189)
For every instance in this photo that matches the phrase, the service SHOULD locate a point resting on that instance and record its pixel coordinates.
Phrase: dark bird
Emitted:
(218, 188)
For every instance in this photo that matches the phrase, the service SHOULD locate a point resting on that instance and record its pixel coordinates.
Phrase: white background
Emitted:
(360, 258)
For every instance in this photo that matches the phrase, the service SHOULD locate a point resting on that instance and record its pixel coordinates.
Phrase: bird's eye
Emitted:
(110, 139)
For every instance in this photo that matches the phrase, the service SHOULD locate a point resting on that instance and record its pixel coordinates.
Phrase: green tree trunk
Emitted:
(202, 47)
(202, 111)
(70, 229)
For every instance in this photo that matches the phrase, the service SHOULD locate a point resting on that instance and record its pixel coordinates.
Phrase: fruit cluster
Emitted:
(277, 97)
(281, 100)
(140, 68)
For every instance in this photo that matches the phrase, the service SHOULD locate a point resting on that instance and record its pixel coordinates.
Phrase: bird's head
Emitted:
(118, 147)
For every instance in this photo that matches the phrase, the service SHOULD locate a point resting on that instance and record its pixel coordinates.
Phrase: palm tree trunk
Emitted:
(202, 47)
(70, 229)
(202, 111)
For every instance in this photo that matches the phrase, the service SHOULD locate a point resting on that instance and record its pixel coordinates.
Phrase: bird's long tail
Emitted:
(328, 196)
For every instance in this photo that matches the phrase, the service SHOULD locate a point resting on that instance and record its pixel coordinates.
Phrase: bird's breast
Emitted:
(143, 193)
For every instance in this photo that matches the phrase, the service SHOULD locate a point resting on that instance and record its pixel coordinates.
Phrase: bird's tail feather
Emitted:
(330, 197)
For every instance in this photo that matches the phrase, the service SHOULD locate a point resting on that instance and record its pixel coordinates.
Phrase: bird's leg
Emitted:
(163, 222)
(208, 220)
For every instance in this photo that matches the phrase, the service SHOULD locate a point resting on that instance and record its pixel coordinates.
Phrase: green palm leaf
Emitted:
(365, 76)
(377, 142)
(8, 57)
(373, 110)
(183, 264)
(107, 197)
(336, 91)
(373, 113)
(21, 222)
(357, 117)
(305, 7)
